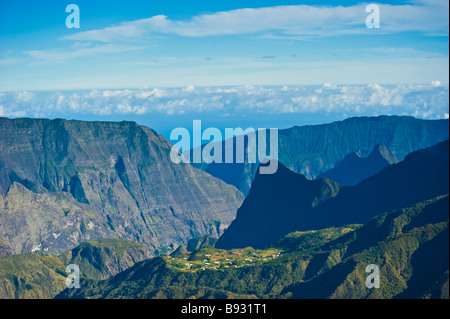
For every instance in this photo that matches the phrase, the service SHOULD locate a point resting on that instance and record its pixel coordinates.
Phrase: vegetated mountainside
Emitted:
(160, 278)
(4, 247)
(277, 204)
(314, 149)
(65, 182)
(31, 276)
(353, 168)
(410, 246)
(100, 259)
(195, 244)
(40, 276)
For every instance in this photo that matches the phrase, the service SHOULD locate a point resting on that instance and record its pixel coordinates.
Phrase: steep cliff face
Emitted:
(65, 182)
(313, 149)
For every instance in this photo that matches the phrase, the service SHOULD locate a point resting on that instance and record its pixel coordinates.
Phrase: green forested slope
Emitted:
(39, 276)
(410, 246)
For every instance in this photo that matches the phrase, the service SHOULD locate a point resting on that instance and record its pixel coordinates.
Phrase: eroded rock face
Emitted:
(65, 182)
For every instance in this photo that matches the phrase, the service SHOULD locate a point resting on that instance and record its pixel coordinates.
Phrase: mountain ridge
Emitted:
(64, 182)
(285, 188)
(353, 168)
(422, 175)
(314, 149)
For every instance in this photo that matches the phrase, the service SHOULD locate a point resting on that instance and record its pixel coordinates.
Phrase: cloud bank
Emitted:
(424, 101)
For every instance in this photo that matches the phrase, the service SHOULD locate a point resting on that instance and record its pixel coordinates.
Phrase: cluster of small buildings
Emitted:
(237, 262)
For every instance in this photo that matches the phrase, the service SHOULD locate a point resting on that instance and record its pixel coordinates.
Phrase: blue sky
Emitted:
(229, 63)
(135, 44)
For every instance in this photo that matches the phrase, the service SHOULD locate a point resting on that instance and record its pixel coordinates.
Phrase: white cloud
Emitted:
(286, 21)
(375, 86)
(436, 83)
(4, 111)
(9, 61)
(24, 96)
(53, 56)
(329, 86)
(124, 31)
(153, 93)
(426, 101)
(189, 88)
(116, 93)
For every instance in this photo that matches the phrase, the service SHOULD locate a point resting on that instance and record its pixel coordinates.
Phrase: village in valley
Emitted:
(217, 259)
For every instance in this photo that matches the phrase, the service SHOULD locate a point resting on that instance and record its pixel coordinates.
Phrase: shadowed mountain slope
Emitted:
(285, 201)
(272, 205)
(353, 168)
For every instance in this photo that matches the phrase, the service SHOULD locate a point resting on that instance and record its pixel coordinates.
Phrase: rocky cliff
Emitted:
(65, 182)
